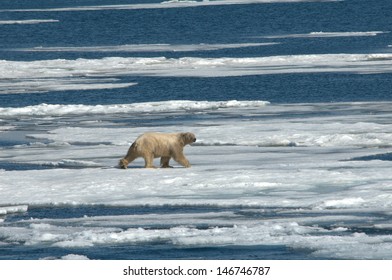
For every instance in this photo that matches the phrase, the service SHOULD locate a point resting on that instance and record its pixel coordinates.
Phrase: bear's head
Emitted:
(188, 138)
(123, 163)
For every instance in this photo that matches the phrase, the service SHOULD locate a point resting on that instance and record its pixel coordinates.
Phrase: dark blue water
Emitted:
(286, 88)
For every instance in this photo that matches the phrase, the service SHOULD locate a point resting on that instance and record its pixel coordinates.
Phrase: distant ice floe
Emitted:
(27, 21)
(327, 35)
(143, 107)
(147, 48)
(165, 5)
(62, 74)
(344, 203)
(194, 66)
(47, 84)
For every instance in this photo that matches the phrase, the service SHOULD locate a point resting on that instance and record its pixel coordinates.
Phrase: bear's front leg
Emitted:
(149, 160)
(181, 159)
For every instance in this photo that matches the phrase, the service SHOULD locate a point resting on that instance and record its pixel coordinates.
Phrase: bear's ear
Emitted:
(182, 138)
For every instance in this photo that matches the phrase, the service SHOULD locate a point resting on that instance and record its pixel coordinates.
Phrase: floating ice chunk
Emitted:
(344, 203)
(74, 257)
(13, 209)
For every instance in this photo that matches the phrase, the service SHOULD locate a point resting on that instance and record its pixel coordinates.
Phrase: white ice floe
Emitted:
(291, 175)
(46, 84)
(27, 21)
(327, 34)
(343, 203)
(147, 48)
(51, 110)
(12, 209)
(74, 257)
(194, 66)
(62, 74)
(163, 5)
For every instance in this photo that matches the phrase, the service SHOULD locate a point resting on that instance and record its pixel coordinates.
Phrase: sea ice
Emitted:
(267, 176)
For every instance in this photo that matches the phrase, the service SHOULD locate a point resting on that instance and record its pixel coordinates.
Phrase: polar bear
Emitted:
(164, 145)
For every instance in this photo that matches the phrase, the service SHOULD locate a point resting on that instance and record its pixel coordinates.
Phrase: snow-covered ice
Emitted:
(307, 176)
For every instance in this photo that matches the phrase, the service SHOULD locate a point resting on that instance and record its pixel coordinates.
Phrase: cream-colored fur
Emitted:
(164, 145)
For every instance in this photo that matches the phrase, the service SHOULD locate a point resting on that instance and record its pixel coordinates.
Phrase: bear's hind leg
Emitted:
(165, 162)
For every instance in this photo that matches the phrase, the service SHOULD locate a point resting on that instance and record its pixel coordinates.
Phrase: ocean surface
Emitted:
(290, 101)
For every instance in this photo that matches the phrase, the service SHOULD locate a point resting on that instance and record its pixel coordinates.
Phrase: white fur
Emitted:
(164, 145)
